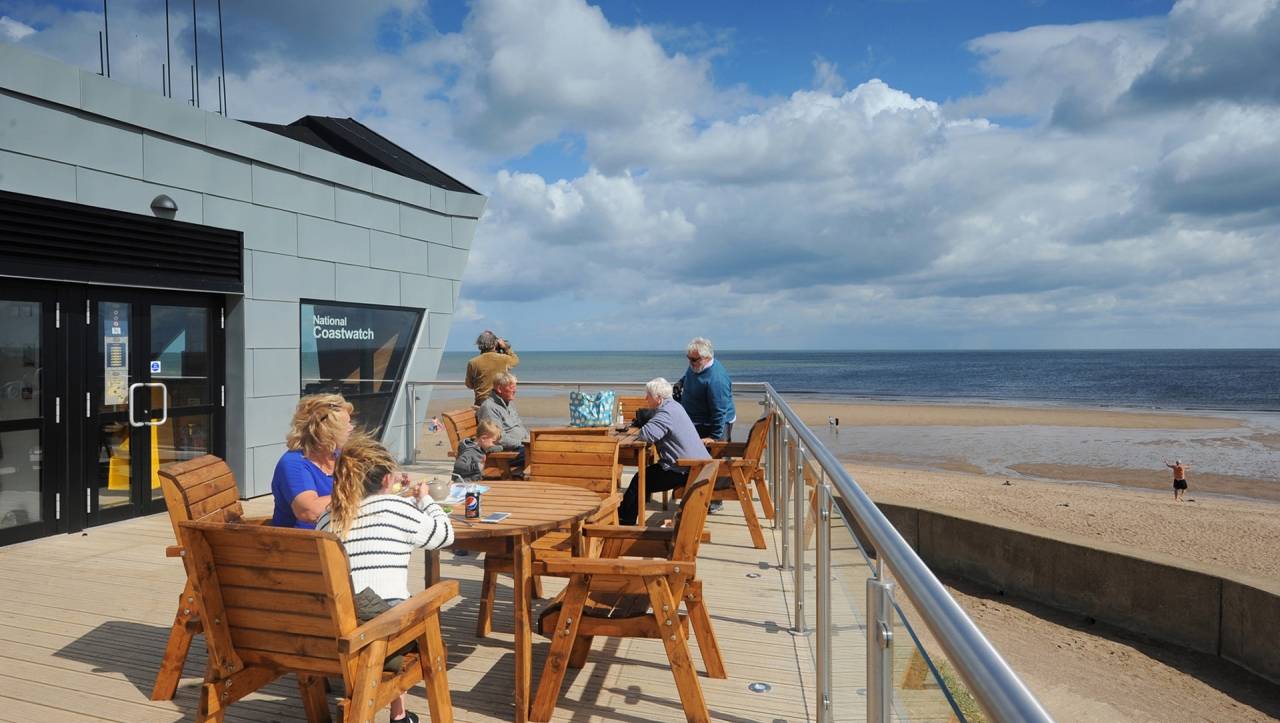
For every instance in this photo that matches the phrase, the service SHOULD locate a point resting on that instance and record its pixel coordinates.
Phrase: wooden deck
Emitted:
(84, 618)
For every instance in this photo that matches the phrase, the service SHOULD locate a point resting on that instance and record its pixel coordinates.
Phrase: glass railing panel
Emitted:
(925, 688)
(849, 574)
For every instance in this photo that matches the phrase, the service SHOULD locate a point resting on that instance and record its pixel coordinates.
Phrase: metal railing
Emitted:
(839, 503)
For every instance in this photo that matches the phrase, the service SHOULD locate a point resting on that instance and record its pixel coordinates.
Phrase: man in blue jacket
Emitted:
(707, 392)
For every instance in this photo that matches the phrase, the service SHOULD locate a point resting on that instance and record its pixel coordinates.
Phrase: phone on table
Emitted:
(495, 517)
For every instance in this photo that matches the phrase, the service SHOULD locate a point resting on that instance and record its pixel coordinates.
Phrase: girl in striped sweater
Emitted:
(379, 528)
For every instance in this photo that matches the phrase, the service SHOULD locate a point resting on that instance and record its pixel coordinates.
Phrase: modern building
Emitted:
(172, 280)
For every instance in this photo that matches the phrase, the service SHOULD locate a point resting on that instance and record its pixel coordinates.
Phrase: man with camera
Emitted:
(496, 356)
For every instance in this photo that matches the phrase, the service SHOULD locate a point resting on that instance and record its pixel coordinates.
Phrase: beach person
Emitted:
(499, 407)
(673, 433)
(472, 451)
(496, 356)
(303, 477)
(434, 425)
(1179, 478)
(380, 528)
(707, 394)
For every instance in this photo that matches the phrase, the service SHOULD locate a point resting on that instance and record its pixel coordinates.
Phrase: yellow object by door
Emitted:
(118, 465)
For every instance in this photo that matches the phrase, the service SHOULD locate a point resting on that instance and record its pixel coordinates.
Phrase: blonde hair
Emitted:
(488, 428)
(315, 428)
(359, 473)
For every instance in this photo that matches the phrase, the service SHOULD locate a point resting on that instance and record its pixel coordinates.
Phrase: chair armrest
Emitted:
(407, 614)
(501, 456)
(608, 509)
(727, 449)
(629, 532)
(256, 520)
(695, 463)
(623, 567)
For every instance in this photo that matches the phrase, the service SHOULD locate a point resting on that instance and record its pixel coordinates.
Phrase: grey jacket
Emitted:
(674, 435)
(514, 435)
(469, 464)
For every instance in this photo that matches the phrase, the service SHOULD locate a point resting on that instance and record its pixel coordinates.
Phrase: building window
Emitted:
(359, 351)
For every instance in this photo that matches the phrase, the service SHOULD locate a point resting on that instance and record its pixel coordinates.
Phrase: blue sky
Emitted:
(867, 175)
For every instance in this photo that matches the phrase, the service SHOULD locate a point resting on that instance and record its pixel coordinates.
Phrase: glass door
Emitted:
(30, 413)
(155, 395)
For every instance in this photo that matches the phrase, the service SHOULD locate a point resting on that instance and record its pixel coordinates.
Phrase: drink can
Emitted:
(471, 508)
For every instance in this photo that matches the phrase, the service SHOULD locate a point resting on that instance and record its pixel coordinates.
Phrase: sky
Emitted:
(867, 174)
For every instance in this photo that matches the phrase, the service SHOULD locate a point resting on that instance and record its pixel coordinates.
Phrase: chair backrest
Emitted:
(459, 424)
(589, 461)
(627, 407)
(695, 505)
(757, 439)
(203, 488)
(274, 596)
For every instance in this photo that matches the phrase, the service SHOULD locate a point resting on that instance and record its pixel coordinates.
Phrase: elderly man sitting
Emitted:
(499, 407)
(671, 431)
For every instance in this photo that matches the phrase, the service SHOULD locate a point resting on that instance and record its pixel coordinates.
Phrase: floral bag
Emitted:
(595, 409)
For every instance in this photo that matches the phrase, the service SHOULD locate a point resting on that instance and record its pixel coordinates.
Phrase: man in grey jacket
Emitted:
(673, 433)
(499, 407)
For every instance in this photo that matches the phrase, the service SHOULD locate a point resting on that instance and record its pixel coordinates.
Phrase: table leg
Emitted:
(643, 497)
(522, 574)
(431, 571)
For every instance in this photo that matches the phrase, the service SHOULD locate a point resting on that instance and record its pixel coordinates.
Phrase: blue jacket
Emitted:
(708, 398)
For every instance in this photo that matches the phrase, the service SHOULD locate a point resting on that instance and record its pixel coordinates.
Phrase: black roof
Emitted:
(351, 138)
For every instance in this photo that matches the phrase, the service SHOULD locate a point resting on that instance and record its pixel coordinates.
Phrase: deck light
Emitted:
(759, 687)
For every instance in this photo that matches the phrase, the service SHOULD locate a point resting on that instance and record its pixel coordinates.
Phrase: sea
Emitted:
(1239, 385)
(1165, 379)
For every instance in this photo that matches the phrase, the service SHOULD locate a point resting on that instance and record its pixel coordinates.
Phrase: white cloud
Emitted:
(14, 31)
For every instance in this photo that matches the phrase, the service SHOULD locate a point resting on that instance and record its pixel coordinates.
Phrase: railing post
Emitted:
(787, 468)
(411, 404)
(879, 648)
(823, 593)
(797, 531)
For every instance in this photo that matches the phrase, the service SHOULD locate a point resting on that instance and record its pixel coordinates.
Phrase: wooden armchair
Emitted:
(627, 407)
(616, 595)
(203, 488)
(740, 469)
(280, 601)
(588, 460)
(460, 424)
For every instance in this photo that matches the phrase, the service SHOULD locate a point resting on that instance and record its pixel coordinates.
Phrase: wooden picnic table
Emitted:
(536, 508)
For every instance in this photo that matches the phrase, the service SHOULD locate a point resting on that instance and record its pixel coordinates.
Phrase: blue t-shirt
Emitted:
(294, 475)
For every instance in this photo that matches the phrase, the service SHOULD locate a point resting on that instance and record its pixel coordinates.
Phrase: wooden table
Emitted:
(635, 451)
(536, 508)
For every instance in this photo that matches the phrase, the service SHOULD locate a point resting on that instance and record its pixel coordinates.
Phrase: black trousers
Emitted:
(656, 479)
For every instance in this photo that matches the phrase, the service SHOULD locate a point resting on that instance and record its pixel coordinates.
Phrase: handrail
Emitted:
(992, 682)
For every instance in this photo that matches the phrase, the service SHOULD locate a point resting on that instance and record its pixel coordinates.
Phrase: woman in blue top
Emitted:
(303, 480)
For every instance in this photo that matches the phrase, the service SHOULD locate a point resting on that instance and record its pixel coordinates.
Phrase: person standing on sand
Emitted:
(1179, 478)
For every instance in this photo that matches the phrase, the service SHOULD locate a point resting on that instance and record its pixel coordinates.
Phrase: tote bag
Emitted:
(594, 409)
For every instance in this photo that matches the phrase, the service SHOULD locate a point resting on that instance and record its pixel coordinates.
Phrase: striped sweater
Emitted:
(385, 531)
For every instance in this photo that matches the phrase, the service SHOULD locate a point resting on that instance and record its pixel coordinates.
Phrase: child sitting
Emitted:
(379, 527)
(469, 464)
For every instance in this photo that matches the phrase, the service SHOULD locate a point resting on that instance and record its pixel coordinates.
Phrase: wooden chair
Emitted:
(615, 595)
(741, 469)
(627, 407)
(280, 600)
(460, 424)
(204, 489)
(587, 460)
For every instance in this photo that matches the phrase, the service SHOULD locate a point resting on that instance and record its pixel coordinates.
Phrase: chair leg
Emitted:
(766, 499)
(364, 684)
(210, 707)
(176, 650)
(664, 611)
(562, 643)
(581, 648)
(700, 619)
(537, 587)
(748, 510)
(488, 589)
(434, 677)
(314, 701)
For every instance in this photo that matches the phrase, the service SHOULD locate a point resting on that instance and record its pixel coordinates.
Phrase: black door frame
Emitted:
(84, 455)
(53, 413)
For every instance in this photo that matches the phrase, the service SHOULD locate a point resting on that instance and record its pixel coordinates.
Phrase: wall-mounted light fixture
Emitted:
(163, 206)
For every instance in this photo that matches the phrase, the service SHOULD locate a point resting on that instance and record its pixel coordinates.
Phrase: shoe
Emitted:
(716, 506)
(409, 717)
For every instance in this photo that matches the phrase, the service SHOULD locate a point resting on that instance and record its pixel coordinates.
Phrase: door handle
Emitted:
(164, 408)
